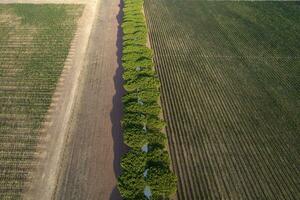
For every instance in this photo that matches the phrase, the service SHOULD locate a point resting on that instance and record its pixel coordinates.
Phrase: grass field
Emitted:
(34, 43)
(230, 89)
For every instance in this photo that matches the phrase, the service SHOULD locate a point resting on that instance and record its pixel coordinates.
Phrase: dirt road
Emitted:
(83, 145)
(49, 1)
(92, 154)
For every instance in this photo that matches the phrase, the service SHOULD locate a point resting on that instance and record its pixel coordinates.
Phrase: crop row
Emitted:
(225, 136)
(146, 170)
(32, 55)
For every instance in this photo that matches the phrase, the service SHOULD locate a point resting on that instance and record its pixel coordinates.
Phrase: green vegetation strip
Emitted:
(146, 170)
(34, 44)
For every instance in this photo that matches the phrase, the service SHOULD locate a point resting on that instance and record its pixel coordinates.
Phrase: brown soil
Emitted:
(91, 159)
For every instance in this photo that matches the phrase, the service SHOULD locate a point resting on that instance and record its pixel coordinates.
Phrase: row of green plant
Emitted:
(34, 44)
(146, 170)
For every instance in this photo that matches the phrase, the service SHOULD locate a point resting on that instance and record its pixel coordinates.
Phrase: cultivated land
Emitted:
(34, 45)
(230, 94)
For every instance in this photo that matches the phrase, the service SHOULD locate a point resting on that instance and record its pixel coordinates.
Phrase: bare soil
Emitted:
(92, 155)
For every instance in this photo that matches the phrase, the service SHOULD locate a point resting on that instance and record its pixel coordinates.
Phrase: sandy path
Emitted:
(44, 179)
(91, 159)
(49, 1)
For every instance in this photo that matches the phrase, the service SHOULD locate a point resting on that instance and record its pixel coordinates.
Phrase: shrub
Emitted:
(133, 64)
(149, 96)
(141, 83)
(161, 181)
(137, 56)
(136, 49)
(157, 157)
(131, 186)
(137, 120)
(134, 162)
(136, 138)
(151, 108)
(134, 74)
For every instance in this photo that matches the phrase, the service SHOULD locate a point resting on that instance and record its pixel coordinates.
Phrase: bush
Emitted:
(137, 120)
(142, 72)
(131, 187)
(151, 108)
(137, 138)
(141, 83)
(149, 96)
(134, 162)
(133, 64)
(137, 56)
(136, 49)
(158, 157)
(161, 181)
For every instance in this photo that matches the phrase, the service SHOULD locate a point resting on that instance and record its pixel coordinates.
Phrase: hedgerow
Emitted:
(147, 165)
(140, 83)
(137, 120)
(136, 139)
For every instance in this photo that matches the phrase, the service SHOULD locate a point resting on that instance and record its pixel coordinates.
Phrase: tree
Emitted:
(161, 181)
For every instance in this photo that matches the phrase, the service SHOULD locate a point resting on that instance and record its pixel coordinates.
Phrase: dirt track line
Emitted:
(91, 160)
(49, 1)
(44, 179)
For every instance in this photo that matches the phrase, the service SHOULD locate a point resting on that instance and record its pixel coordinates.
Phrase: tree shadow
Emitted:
(117, 110)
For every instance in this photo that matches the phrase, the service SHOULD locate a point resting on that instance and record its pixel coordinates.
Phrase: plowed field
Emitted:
(230, 94)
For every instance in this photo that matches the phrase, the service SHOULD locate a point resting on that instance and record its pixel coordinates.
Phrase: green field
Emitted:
(34, 43)
(230, 87)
